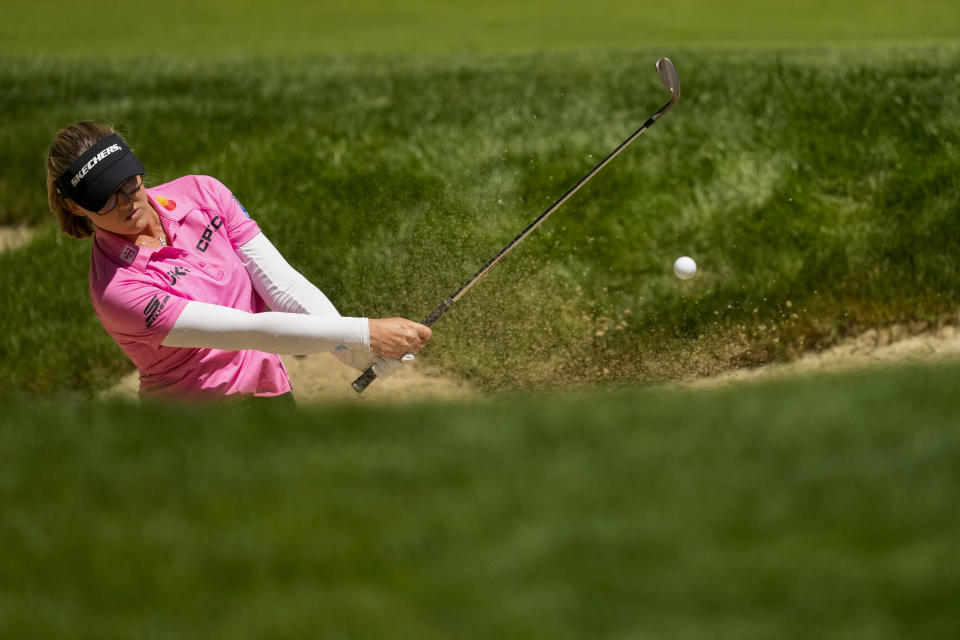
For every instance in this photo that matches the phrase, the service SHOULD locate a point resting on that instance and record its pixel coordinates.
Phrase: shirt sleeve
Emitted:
(237, 223)
(138, 311)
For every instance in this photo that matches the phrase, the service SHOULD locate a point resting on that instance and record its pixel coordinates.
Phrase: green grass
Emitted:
(290, 27)
(816, 189)
(814, 508)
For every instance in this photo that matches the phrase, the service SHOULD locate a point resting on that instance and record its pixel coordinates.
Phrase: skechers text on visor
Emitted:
(98, 172)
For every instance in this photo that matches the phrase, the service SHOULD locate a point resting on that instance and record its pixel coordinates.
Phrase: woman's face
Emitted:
(126, 211)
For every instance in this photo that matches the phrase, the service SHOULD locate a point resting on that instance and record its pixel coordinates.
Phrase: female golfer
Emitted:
(181, 277)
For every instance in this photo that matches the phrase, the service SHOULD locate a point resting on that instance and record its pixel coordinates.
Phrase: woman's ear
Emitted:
(75, 209)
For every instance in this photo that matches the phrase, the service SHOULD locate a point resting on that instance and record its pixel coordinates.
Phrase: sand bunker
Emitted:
(14, 237)
(872, 349)
(322, 379)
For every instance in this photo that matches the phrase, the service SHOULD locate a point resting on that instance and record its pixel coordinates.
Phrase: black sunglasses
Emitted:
(128, 187)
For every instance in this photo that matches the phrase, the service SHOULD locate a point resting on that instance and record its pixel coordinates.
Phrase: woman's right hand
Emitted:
(396, 337)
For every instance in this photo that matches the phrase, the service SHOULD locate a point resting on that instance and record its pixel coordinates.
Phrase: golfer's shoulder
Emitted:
(192, 188)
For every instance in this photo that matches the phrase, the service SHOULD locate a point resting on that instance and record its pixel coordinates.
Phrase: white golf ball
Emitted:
(685, 267)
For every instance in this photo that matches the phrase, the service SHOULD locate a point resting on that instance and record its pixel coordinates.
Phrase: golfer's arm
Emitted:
(281, 286)
(210, 326)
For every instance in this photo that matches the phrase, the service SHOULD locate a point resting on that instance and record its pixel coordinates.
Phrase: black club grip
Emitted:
(370, 375)
(439, 311)
(364, 380)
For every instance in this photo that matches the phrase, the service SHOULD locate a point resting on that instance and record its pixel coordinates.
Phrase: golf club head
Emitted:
(668, 76)
(670, 79)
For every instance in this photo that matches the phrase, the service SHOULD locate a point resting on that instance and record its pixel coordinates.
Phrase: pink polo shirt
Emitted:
(138, 293)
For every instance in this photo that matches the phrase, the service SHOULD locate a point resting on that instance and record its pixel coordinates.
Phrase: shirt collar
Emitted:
(129, 254)
(125, 253)
(121, 250)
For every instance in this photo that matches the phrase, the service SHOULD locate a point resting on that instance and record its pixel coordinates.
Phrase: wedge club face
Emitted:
(668, 76)
(670, 79)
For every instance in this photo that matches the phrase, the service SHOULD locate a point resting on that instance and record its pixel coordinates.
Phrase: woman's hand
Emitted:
(395, 337)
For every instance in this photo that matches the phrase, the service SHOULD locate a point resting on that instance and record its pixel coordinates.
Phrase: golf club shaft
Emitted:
(368, 376)
(536, 223)
(671, 82)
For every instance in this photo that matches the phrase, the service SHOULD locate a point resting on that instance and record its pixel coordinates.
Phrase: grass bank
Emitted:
(817, 190)
(815, 508)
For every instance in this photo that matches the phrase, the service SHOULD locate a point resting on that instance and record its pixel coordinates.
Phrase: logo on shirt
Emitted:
(154, 308)
(129, 254)
(204, 243)
(175, 274)
(167, 204)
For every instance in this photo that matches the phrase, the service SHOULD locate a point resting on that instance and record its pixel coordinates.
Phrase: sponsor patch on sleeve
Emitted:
(241, 206)
(154, 309)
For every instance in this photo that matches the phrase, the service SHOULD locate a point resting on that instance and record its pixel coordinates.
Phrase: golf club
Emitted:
(670, 80)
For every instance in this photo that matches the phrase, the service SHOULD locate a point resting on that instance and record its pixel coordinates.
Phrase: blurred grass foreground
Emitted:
(819, 508)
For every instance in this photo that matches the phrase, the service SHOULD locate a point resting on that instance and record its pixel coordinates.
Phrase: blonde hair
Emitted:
(68, 145)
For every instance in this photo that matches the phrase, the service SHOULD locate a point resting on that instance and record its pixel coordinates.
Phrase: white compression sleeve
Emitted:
(203, 325)
(286, 289)
(281, 286)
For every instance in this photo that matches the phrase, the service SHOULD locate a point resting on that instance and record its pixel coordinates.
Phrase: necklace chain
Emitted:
(159, 239)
